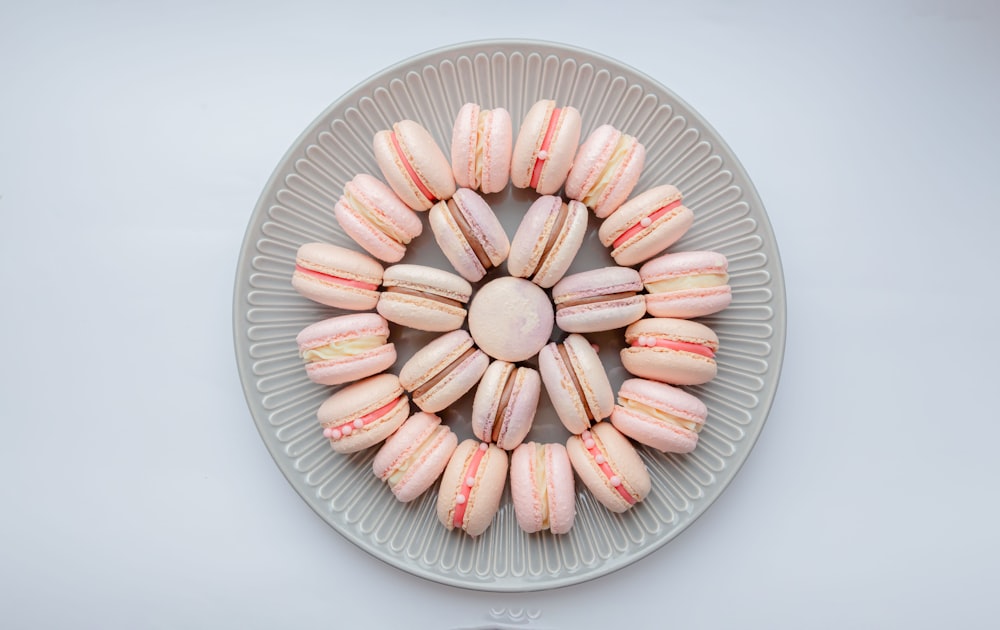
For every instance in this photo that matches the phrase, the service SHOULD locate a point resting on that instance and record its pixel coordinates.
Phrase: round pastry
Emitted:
(542, 488)
(677, 351)
(609, 466)
(658, 415)
(505, 404)
(546, 144)
(469, 234)
(599, 299)
(510, 319)
(414, 457)
(413, 164)
(472, 486)
(424, 298)
(337, 276)
(576, 382)
(443, 371)
(547, 240)
(346, 348)
(686, 284)
(364, 413)
(377, 220)
(605, 170)
(481, 147)
(645, 225)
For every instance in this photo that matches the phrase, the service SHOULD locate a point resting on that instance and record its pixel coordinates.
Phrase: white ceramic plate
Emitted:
(296, 207)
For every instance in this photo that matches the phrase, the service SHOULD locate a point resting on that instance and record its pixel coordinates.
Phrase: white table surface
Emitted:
(135, 140)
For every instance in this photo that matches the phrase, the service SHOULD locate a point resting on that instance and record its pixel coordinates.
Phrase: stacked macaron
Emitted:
(490, 329)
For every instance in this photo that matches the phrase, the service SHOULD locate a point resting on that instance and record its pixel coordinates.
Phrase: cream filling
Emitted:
(480, 157)
(373, 217)
(343, 348)
(699, 281)
(541, 486)
(618, 156)
(659, 414)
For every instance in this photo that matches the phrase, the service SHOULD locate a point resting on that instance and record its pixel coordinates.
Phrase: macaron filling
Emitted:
(410, 170)
(482, 134)
(543, 150)
(445, 371)
(695, 279)
(427, 295)
(612, 168)
(596, 299)
(542, 484)
(662, 415)
(564, 354)
(468, 234)
(646, 221)
(590, 443)
(336, 432)
(553, 236)
(332, 279)
(339, 348)
(468, 481)
(648, 341)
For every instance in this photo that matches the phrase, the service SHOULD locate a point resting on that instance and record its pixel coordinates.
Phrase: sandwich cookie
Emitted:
(605, 170)
(443, 371)
(424, 298)
(686, 284)
(346, 348)
(547, 240)
(609, 466)
(377, 220)
(545, 146)
(542, 488)
(677, 351)
(659, 415)
(481, 147)
(576, 382)
(469, 234)
(505, 404)
(472, 486)
(511, 319)
(413, 164)
(337, 276)
(599, 299)
(414, 457)
(645, 225)
(364, 413)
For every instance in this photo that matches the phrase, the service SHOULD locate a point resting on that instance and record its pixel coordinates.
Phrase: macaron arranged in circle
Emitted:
(443, 371)
(364, 413)
(686, 284)
(547, 240)
(337, 276)
(609, 466)
(469, 234)
(505, 404)
(481, 145)
(414, 457)
(424, 298)
(545, 147)
(413, 164)
(511, 319)
(542, 488)
(659, 415)
(346, 348)
(599, 299)
(646, 225)
(377, 220)
(677, 351)
(472, 486)
(605, 170)
(576, 382)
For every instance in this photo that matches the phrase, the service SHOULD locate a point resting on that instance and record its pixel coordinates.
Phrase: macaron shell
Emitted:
(337, 261)
(511, 319)
(559, 505)
(519, 413)
(493, 142)
(389, 218)
(485, 493)
(590, 373)
(624, 461)
(459, 381)
(348, 369)
(485, 229)
(464, 140)
(603, 315)
(370, 238)
(592, 163)
(424, 156)
(497, 147)
(453, 243)
(689, 303)
(652, 239)
(528, 247)
(361, 398)
(665, 364)
(650, 430)
(568, 243)
(562, 147)
(424, 313)
(423, 437)
(430, 360)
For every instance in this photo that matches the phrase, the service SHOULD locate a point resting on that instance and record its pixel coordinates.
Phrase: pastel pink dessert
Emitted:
(443, 371)
(472, 486)
(413, 164)
(377, 220)
(346, 348)
(337, 276)
(424, 298)
(686, 284)
(545, 147)
(414, 457)
(677, 351)
(505, 404)
(510, 319)
(547, 240)
(542, 488)
(469, 234)
(599, 299)
(481, 144)
(646, 225)
(576, 381)
(609, 466)
(659, 415)
(363, 413)
(606, 168)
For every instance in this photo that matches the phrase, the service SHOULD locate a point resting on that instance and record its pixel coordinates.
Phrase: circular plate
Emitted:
(296, 207)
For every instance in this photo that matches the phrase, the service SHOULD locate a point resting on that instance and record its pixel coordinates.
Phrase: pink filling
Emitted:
(409, 169)
(462, 499)
(336, 280)
(645, 222)
(337, 432)
(591, 446)
(543, 152)
(683, 346)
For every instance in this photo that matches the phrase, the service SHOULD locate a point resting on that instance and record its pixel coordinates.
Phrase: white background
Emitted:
(135, 491)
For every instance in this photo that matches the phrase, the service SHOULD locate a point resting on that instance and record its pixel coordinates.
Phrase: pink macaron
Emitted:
(346, 348)
(469, 234)
(377, 220)
(443, 371)
(599, 299)
(505, 404)
(576, 381)
(659, 415)
(645, 225)
(481, 144)
(337, 276)
(414, 457)
(472, 486)
(609, 466)
(686, 284)
(511, 319)
(547, 240)
(677, 351)
(424, 298)
(542, 488)
(545, 147)
(413, 164)
(606, 168)
(364, 413)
